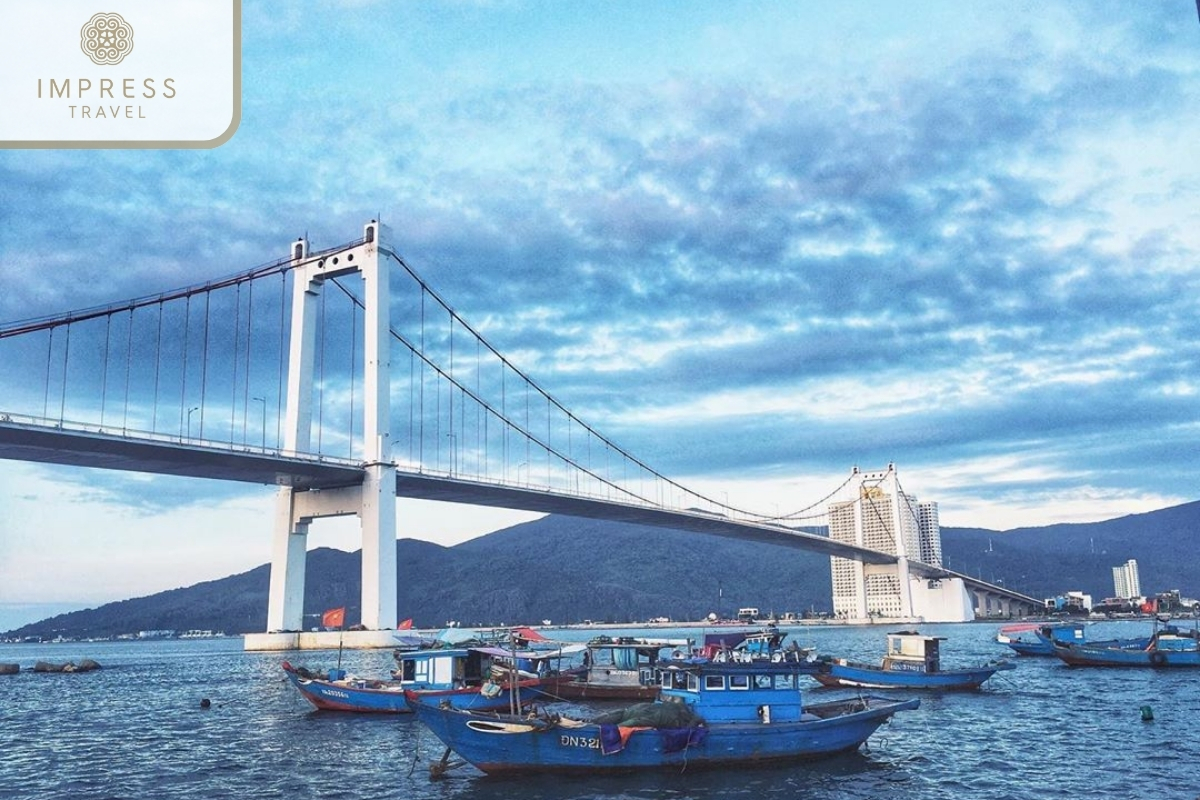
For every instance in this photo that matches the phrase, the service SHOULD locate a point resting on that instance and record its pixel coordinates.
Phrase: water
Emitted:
(135, 729)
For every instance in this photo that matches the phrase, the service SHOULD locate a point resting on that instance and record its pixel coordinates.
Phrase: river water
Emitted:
(135, 729)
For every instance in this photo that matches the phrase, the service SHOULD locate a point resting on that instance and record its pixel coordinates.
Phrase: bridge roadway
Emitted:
(32, 440)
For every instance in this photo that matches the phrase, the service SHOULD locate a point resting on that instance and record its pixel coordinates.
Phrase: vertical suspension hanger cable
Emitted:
(104, 368)
(421, 416)
(237, 349)
(282, 352)
(249, 351)
(480, 424)
(187, 329)
(128, 366)
(321, 376)
(353, 371)
(46, 393)
(204, 359)
(157, 364)
(62, 406)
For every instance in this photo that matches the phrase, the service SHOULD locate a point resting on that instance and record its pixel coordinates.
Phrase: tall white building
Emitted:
(883, 518)
(1126, 583)
(929, 533)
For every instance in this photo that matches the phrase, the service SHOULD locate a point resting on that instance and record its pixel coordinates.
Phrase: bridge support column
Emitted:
(379, 547)
(285, 603)
(378, 510)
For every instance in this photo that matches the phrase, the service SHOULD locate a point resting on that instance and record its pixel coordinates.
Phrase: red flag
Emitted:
(334, 618)
(405, 626)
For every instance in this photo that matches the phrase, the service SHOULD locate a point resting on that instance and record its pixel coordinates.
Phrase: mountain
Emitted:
(560, 568)
(568, 569)
(1053, 559)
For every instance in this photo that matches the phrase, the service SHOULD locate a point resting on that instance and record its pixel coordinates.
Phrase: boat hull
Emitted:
(516, 745)
(473, 699)
(325, 695)
(1089, 656)
(583, 690)
(389, 697)
(864, 676)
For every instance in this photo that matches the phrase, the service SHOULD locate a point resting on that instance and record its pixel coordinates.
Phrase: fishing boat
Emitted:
(335, 690)
(913, 661)
(1037, 639)
(765, 643)
(620, 668)
(475, 677)
(708, 714)
(1168, 646)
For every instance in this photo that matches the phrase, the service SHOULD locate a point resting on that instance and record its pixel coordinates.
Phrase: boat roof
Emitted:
(533, 655)
(636, 642)
(916, 635)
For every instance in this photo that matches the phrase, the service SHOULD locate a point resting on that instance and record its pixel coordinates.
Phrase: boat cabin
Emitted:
(909, 650)
(736, 692)
(443, 669)
(749, 614)
(630, 661)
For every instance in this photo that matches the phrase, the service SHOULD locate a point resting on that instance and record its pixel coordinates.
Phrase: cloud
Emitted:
(764, 263)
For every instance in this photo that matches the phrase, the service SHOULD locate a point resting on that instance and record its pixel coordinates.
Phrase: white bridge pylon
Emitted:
(374, 501)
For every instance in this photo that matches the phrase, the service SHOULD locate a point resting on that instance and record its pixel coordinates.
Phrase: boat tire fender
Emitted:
(1158, 659)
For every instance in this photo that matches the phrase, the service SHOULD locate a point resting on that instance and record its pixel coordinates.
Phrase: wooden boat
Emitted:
(461, 677)
(741, 645)
(1168, 646)
(337, 691)
(709, 714)
(620, 668)
(1037, 639)
(913, 661)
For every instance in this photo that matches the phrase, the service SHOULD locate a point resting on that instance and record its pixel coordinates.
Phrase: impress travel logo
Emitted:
(106, 39)
(137, 74)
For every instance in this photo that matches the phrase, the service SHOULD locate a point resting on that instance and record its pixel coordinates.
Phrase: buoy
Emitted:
(205, 702)
(1147, 714)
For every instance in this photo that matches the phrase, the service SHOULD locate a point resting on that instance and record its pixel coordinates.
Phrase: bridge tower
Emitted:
(374, 501)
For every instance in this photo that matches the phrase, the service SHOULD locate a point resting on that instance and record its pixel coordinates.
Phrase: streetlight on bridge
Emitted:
(189, 428)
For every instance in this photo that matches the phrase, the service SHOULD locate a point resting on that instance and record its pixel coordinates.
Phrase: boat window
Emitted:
(785, 681)
(762, 681)
(741, 682)
(714, 681)
(693, 682)
(408, 670)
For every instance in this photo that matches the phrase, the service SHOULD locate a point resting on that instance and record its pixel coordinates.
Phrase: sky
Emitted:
(757, 242)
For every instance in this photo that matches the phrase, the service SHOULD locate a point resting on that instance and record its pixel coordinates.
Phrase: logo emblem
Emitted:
(106, 38)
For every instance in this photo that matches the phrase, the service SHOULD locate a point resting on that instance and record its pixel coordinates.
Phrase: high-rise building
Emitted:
(929, 532)
(874, 520)
(883, 518)
(1126, 583)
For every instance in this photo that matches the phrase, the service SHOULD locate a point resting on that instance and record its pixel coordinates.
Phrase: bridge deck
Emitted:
(93, 446)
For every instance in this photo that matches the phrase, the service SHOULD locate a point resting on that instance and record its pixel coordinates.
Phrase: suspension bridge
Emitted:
(344, 379)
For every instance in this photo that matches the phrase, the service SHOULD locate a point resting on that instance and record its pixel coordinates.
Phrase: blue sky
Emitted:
(757, 243)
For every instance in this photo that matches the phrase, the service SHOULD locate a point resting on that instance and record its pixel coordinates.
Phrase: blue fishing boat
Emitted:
(1037, 639)
(335, 690)
(708, 714)
(1168, 646)
(474, 677)
(913, 661)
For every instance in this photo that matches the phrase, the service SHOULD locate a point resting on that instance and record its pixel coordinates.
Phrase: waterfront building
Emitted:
(884, 518)
(1126, 583)
(929, 533)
